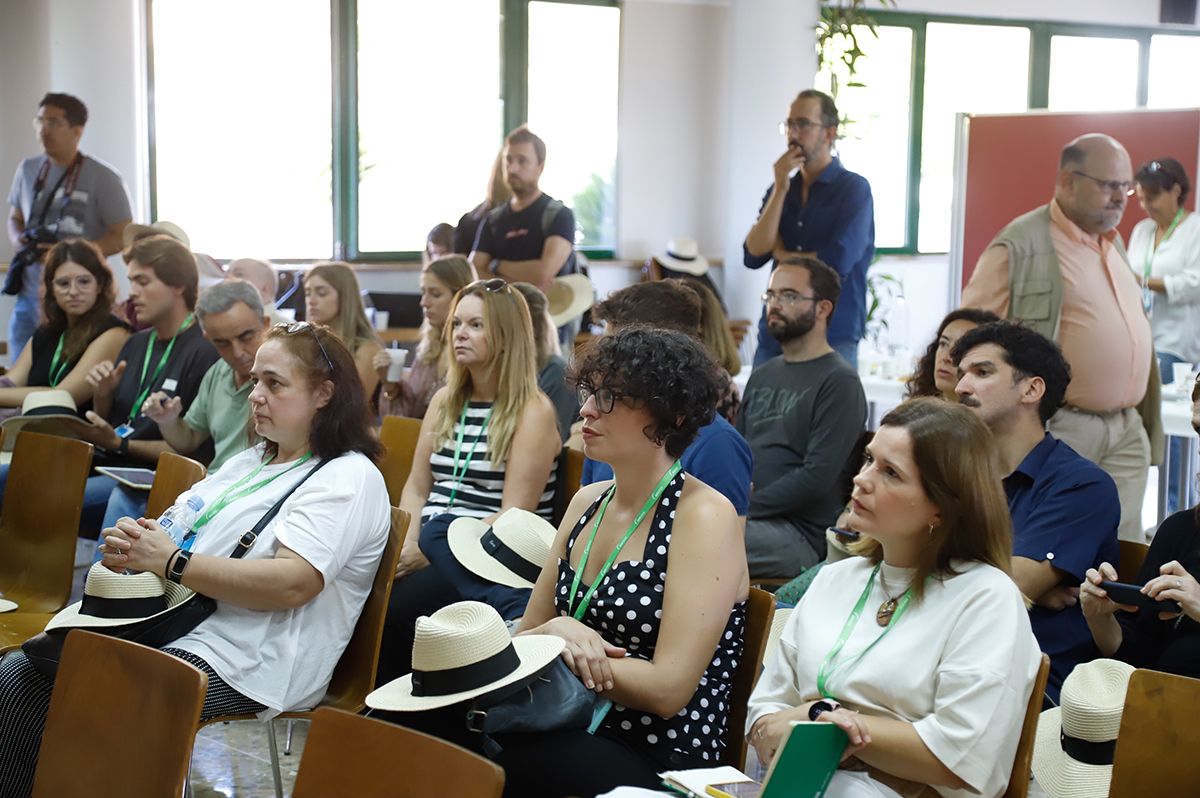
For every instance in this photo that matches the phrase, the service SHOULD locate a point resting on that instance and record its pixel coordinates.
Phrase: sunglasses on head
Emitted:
(492, 285)
(292, 327)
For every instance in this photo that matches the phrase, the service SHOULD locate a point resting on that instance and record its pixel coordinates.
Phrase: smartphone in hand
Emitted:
(1123, 593)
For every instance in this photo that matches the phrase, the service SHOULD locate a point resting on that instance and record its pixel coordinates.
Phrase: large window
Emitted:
(924, 70)
(353, 129)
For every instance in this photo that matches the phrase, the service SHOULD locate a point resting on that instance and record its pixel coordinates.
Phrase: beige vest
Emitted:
(1035, 297)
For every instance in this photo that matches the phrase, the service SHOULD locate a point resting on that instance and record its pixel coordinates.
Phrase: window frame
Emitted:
(513, 29)
(1040, 34)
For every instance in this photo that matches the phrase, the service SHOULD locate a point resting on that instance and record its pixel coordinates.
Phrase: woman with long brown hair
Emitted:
(332, 298)
(921, 648)
(936, 374)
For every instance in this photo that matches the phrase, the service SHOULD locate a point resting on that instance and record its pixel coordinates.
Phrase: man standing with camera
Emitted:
(59, 194)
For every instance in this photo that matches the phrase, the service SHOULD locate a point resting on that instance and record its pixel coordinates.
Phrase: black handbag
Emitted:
(45, 649)
(553, 699)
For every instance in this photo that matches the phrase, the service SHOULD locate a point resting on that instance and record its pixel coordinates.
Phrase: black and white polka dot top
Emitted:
(626, 609)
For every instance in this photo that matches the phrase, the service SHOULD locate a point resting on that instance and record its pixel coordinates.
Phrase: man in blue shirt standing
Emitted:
(825, 211)
(1064, 508)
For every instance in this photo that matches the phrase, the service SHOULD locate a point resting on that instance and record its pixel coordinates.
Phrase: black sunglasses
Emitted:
(492, 285)
(292, 327)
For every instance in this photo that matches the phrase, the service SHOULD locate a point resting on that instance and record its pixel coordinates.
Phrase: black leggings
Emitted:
(552, 764)
(25, 701)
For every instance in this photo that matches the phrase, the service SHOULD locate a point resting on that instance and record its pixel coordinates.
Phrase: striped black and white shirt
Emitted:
(481, 488)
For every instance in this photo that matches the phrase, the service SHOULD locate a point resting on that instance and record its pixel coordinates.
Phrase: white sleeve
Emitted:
(982, 685)
(1183, 286)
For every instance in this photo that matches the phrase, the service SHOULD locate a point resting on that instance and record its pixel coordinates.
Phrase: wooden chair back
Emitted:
(1018, 782)
(399, 436)
(739, 328)
(172, 476)
(760, 609)
(348, 754)
(570, 472)
(146, 698)
(39, 520)
(354, 675)
(1156, 734)
(1133, 554)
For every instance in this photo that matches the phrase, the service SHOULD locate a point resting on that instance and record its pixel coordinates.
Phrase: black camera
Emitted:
(27, 255)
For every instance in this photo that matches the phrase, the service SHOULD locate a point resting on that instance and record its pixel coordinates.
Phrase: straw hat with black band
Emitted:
(1075, 742)
(463, 651)
(510, 552)
(111, 599)
(51, 411)
(683, 255)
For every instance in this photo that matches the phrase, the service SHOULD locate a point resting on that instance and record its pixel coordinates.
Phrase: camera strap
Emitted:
(70, 176)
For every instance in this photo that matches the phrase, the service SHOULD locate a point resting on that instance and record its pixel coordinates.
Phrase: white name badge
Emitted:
(170, 385)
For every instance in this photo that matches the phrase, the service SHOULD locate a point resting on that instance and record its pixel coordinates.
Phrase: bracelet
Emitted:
(171, 559)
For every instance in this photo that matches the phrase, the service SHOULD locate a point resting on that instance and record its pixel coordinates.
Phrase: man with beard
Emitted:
(531, 237)
(801, 414)
(824, 210)
(1062, 270)
(1064, 508)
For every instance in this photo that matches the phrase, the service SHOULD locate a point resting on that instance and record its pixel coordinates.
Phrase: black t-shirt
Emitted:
(468, 229)
(190, 359)
(1148, 642)
(45, 341)
(521, 235)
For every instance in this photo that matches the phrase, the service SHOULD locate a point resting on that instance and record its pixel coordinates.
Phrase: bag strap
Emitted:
(247, 539)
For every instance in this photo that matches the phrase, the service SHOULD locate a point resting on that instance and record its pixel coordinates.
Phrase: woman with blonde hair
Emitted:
(332, 298)
(932, 591)
(440, 281)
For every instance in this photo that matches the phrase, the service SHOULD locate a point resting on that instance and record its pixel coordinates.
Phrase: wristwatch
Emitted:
(824, 705)
(175, 573)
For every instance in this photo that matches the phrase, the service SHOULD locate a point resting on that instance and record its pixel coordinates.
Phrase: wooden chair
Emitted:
(399, 436)
(759, 612)
(1155, 737)
(39, 523)
(570, 472)
(111, 690)
(1018, 782)
(351, 755)
(1133, 554)
(354, 675)
(740, 328)
(172, 476)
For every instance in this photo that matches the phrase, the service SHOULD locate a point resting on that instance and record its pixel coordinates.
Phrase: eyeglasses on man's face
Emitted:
(798, 124)
(293, 327)
(786, 298)
(1125, 187)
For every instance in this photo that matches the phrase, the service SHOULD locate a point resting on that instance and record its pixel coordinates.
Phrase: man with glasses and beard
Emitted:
(824, 210)
(802, 413)
(1061, 269)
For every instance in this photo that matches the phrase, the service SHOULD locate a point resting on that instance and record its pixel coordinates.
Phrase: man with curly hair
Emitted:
(801, 414)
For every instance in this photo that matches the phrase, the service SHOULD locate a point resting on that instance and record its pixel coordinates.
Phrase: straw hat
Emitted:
(112, 599)
(1073, 750)
(462, 651)
(569, 296)
(135, 231)
(683, 255)
(511, 552)
(52, 412)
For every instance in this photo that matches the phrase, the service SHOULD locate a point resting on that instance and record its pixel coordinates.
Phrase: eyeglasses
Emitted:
(292, 327)
(49, 122)
(605, 397)
(83, 282)
(492, 285)
(1109, 186)
(786, 298)
(799, 125)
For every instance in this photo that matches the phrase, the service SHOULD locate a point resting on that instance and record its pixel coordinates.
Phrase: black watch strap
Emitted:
(182, 558)
(122, 447)
(823, 705)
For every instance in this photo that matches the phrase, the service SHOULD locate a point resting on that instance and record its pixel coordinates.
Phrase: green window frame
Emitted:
(1040, 35)
(513, 26)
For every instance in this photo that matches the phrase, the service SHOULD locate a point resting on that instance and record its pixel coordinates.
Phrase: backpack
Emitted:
(549, 214)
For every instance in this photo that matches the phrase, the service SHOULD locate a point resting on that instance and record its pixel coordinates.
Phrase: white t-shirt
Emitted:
(338, 521)
(1176, 319)
(959, 665)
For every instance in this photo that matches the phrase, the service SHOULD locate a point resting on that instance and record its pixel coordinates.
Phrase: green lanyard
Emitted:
(57, 372)
(829, 665)
(145, 387)
(229, 496)
(1147, 294)
(655, 495)
(456, 473)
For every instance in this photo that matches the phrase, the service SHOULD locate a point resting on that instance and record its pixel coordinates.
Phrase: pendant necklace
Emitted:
(883, 616)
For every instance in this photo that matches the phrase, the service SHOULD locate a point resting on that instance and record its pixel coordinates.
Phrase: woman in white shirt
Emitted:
(920, 649)
(286, 610)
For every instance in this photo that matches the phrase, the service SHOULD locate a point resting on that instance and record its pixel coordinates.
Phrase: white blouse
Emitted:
(959, 665)
(1176, 318)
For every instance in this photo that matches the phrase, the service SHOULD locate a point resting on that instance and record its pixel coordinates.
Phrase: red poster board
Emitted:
(1012, 161)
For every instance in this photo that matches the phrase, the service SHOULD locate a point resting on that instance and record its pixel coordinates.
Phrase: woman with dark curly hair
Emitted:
(647, 580)
(936, 374)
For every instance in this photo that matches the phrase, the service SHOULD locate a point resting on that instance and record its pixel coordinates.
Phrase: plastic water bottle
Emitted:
(177, 521)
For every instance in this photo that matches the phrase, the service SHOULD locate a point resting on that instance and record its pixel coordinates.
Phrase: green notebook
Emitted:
(806, 761)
